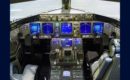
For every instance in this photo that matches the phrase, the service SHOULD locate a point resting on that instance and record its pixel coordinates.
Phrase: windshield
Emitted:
(30, 8)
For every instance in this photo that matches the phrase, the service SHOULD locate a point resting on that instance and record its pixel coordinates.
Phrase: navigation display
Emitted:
(66, 28)
(66, 42)
(34, 28)
(98, 27)
(85, 28)
(47, 28)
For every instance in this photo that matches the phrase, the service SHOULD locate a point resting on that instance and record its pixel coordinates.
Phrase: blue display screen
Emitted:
(67, 42)
(85, 28)
(47, 28)
(77, 41)
(66, 73)
(66, 28)
(98, 27)
(35, 28)
(55, 41)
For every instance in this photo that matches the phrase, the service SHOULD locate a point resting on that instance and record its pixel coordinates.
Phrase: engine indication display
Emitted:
(66, 28)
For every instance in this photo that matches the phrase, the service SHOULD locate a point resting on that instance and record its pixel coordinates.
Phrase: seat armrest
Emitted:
(97, 63)
(94, 66)
(14, 76)
(102, 68)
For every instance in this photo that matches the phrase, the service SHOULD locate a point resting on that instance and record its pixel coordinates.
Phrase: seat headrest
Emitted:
(112, 50)
(114, 47)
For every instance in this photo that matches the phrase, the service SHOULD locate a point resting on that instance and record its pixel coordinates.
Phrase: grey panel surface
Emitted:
(115, 72)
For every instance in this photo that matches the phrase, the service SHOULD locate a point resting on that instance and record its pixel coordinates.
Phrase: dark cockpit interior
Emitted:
(65, 46)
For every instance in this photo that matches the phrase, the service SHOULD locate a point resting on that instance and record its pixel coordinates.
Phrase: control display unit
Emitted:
(66, 74)
(34, 28)
(85, 28)
(77, 41)
(47, 28)
(66, 28)
(55, 42)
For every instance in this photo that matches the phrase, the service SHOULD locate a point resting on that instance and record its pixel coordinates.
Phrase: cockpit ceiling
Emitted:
(113, 0)
(18, 1)
(27, 9)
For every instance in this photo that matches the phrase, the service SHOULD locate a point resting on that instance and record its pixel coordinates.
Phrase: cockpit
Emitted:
(64, 46)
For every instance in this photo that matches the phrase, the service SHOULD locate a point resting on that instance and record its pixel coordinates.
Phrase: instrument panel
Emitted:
(63, 29)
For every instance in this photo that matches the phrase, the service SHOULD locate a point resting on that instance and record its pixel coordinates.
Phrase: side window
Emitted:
(13, 47)
(13, 41)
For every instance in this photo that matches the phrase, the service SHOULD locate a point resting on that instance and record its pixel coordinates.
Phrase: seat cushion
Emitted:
(16, 77)
(29, 72)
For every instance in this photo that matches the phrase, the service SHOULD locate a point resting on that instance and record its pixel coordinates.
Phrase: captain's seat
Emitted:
(106, 60)
(99, 67)
(28, 73)
(113, 72)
